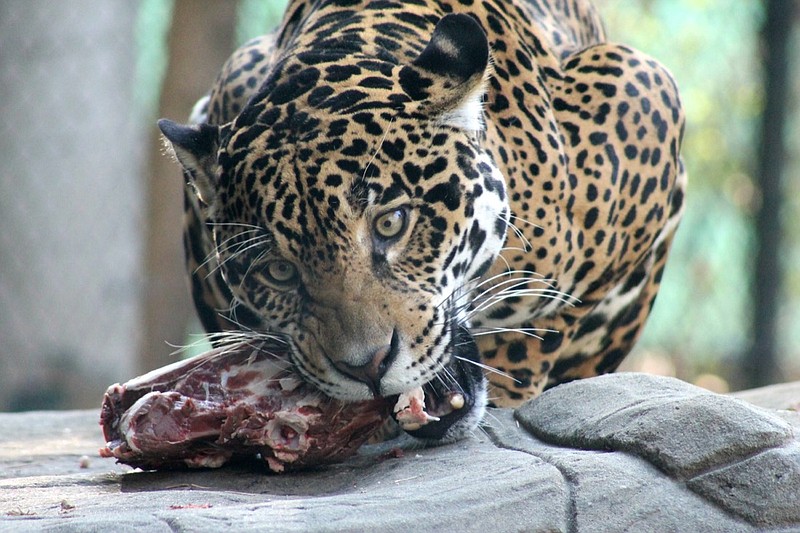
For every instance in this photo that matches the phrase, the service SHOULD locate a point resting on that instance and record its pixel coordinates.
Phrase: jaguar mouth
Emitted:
(433, 410)
(426, 412)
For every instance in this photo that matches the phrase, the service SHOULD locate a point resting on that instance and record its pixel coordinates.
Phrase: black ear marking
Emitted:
(452, 64)
(458, 48)
(448, 78)
(200, 140)
(195, 148)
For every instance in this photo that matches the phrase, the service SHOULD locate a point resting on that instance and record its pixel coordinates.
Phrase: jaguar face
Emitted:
(353, 217)
(363, 261)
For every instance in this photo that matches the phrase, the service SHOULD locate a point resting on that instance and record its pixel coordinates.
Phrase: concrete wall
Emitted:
(71, 152)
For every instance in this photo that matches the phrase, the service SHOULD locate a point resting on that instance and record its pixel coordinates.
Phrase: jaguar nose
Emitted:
(375, 368)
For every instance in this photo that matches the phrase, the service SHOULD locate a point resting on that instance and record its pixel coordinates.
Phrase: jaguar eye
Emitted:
(281, 271)
(391, 224)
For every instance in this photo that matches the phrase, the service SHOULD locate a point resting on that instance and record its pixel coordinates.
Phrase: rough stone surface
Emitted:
(617, 491)
(764, 488)
(625, 452)
(783, 396)
(679, 428)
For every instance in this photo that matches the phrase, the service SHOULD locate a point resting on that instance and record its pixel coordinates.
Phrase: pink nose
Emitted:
(373, 371)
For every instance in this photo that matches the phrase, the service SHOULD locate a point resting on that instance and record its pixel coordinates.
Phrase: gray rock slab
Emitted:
(725, 450)
(617, 491)
(764, 488)
(617, 453)
(495, 489)
(375, 492)
(678, 427)
(51, 443)
(783, 396)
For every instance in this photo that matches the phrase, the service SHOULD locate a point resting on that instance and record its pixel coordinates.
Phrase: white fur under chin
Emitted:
(467, 425)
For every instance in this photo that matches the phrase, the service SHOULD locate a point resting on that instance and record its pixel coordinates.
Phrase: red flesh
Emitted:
(231, 402)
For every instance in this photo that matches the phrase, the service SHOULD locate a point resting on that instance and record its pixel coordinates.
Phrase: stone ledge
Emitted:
(614, 453)
(680, 428)
(741, 457)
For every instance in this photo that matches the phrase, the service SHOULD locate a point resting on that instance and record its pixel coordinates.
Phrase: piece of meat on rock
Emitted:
(237, 401)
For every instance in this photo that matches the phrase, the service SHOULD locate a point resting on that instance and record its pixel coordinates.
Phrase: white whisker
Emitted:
(241, 248)
(528, 222)
(487, 368)
(378, 149)
(228, 340)
(254, 262)
(508, 265)
(497, 293)
(513, 249)
(527, 246)
(491, 279)
(235, 225)
(529, 332)
(222, 247)
(506, 294)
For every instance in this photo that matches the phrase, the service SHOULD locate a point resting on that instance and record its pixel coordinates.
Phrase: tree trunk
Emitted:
(200, 40)
(761, 363)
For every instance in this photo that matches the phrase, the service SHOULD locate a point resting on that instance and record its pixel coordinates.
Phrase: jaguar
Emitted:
(472, 197)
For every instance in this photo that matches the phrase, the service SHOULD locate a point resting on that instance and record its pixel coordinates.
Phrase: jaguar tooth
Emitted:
(410, 410)
(457, 401)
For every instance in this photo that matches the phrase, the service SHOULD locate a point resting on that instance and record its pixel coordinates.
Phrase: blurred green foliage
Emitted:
(152, 26)
(257, 17)
(790, 317)
(254, 18)
(712, 47)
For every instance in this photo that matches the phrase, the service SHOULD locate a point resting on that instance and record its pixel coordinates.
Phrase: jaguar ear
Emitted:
(195, 148)
(450, 74)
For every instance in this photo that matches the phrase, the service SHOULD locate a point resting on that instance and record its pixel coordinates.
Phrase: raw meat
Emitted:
(240, 400)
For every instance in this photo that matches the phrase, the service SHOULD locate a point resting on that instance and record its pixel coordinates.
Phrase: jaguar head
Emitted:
(353, 210)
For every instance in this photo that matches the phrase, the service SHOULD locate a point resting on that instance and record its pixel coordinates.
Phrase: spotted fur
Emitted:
(530, 169)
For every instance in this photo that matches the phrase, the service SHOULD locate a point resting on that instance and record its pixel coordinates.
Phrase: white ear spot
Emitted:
(199, 113)
(469, 113)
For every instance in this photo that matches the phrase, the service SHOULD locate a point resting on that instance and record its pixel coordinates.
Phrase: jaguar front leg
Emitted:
(521, 361)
